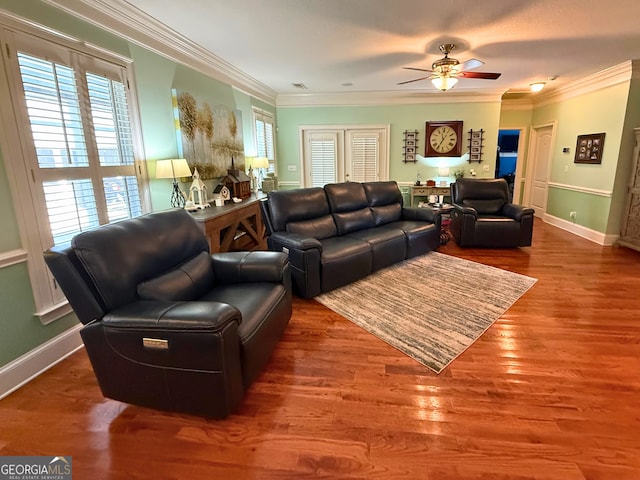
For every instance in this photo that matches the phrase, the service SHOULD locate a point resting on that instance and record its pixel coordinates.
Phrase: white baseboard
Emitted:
(584, 232)
(33, 363)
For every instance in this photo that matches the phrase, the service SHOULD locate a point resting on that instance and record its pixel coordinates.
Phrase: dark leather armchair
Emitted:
(166, 324)
(484, 217)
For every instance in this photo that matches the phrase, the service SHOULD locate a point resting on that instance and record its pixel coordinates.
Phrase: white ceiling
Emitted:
(327, 44)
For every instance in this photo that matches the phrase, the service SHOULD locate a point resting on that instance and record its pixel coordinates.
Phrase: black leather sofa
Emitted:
(483, 216)
(345, 231)
(166, 324)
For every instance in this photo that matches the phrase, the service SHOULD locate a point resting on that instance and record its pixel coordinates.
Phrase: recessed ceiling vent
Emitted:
(301, 86)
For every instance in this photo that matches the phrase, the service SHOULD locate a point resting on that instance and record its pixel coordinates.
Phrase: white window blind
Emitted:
(72, 145)
(364, 157)
(264, 135)
(323, 149)
(93, 194)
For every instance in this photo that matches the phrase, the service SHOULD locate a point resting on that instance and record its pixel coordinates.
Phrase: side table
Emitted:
(442, 209)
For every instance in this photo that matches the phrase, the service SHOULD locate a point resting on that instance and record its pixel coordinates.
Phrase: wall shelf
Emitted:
(476, 145)
(410, 147)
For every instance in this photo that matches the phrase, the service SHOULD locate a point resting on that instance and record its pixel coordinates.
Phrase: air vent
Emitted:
(301, 86)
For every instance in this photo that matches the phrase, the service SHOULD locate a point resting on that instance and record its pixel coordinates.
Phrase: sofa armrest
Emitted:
(239, 267)
(426, 214)
(162, 316)
(516, 212)
(294, 240)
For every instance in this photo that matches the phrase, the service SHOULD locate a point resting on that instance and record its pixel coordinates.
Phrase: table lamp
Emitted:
(176, 167)
(259, 163)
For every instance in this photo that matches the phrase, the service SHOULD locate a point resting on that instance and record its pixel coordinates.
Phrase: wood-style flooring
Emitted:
(550, 391)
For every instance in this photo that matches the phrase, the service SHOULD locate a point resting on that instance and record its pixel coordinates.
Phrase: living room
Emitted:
(596, 192)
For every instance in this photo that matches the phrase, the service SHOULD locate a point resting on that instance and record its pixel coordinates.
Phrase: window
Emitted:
(358, 154)
(77, 147)
(264, 135)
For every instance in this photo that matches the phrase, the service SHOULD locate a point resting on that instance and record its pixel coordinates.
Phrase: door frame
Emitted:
(531, 157)
(521, 160)
(384, 169)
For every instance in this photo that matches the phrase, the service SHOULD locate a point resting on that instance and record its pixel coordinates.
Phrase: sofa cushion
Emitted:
(188, 281)
(295, 205)
(387, 213)
(320, 227)
(345, 197)
(382, 193)
(348, 222)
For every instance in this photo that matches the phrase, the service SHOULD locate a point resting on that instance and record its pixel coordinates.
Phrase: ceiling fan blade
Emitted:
(469, 65)
(414, 80)
(418, 69)
(483, 75)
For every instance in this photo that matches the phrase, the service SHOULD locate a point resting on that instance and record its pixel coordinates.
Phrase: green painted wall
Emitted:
(155, 77)
(485, 115)
(594, 112)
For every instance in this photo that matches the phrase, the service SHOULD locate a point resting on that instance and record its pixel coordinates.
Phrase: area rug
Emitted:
(431, 307)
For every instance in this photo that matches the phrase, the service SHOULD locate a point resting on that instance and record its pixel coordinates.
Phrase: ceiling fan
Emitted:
(445, 72)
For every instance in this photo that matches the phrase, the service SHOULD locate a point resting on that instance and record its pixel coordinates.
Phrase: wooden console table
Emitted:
(424, 191)
(234, 226)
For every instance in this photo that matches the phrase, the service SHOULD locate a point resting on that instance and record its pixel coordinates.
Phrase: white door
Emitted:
(539, 169)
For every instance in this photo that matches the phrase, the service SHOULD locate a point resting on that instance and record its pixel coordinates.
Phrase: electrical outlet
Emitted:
(572, 215)
(292, 168)
(485, 168)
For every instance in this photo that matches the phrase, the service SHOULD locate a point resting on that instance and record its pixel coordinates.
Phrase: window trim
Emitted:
(24, 192)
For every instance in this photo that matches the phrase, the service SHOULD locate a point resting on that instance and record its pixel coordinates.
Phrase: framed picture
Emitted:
(589, 148)
(411, 143)
(411, 150)
(410, 157)
(475, 143)
(410, 136)
(474, 157)
(475, 150)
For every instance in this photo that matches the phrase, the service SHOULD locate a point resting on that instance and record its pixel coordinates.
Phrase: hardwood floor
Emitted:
(551, 391)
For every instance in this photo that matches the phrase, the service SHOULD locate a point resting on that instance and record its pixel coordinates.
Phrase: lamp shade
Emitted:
(260, 162)
(444, 83)
(176, 167)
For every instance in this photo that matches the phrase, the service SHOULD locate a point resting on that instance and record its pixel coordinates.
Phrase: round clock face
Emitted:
(443, 139)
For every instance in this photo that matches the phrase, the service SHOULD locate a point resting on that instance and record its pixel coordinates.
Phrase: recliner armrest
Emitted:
(237, 267)
(426, 214)
(159, 316)
(515, 211)
(465, 210)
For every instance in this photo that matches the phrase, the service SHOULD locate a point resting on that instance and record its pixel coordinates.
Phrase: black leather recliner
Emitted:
(167, 324)
(484, 217)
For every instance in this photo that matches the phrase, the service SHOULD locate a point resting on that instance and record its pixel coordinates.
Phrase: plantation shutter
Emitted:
(80, 191)
(264, 132)
(323, 149)
(364, 155)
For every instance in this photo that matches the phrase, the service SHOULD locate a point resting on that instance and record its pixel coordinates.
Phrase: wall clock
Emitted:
(444, 139)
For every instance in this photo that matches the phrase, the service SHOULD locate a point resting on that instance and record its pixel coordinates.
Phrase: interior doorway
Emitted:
(507, 157)
(542, 138)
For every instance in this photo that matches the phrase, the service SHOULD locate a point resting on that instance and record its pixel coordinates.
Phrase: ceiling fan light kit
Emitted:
(445, 72)
(444, 83)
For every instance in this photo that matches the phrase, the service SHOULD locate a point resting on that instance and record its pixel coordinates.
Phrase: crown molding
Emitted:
(124, 20)
(623, 72)
(383, 98)
(519, 104)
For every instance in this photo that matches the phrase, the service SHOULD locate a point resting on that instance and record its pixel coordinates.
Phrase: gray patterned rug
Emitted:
(431, 307)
